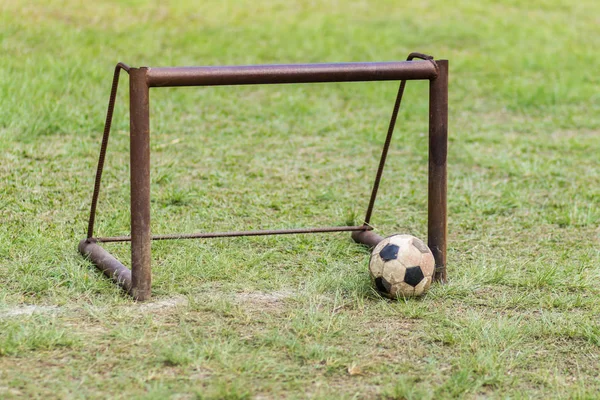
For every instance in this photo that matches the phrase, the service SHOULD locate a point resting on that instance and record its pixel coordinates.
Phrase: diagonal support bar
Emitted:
(104, 146)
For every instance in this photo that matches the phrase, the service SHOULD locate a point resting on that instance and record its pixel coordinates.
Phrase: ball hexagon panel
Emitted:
(427, 264)
(399, 240)
(404, 289)
(376, 266)
(409, 255)
(420, 245)
(423, 286)
(393, 271)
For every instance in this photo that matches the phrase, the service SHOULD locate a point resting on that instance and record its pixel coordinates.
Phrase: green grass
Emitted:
(292, 316)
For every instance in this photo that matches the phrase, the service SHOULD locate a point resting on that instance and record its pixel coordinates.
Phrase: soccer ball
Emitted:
(402, 266)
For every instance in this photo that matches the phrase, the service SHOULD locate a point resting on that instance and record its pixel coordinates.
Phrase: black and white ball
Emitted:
(402, 266)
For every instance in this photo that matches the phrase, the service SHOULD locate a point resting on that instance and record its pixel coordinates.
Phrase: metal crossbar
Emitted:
(137, 281)
(265, 232)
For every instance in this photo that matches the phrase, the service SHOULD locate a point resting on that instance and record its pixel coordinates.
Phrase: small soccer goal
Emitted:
(137, 280)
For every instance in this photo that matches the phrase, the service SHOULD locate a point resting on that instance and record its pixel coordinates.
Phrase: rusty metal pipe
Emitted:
(106, 263)
(438, 150)
(211, 235)
(104, 145)
(139, 159)
(290, 73)
(368, 238)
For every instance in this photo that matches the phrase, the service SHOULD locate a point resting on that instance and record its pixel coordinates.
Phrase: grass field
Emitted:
(296, 316)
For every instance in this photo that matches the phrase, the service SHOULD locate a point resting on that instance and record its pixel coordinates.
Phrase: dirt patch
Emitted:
(27, 310)
(164, 304)
(260, 300)
(393, 326)
(252, 301)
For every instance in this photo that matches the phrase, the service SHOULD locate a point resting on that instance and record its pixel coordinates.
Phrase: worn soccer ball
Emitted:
(402, 266)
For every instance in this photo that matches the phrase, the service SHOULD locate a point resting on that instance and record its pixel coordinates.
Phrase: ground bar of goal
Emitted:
(121, 275)
(368, 238)
(105, 262)
(209, 235)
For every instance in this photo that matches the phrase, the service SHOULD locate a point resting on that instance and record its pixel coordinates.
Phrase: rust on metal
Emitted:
(368, 238)
(139, 156)
(438, 150)
(290, 73)
(138, 281)
(266, 232)
(106, 263)
(104, 145)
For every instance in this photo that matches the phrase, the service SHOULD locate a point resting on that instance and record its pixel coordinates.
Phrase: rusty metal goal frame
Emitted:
(137, 281)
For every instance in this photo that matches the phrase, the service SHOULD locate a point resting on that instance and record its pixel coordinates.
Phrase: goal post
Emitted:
(137, 281)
